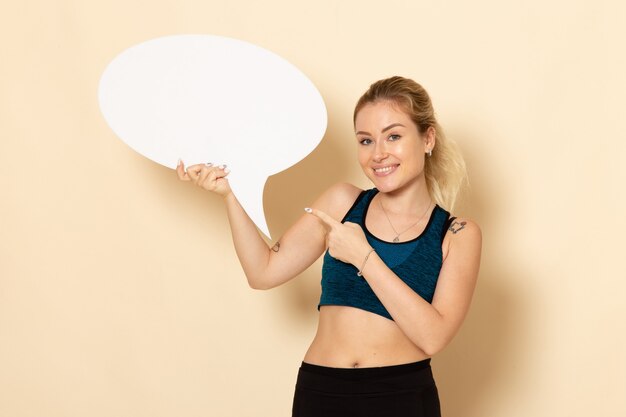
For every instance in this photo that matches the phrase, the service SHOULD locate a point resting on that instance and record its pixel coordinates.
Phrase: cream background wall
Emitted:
(121, 295)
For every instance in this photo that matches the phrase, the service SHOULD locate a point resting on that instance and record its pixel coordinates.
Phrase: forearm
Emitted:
(252, 251)
(416, 317)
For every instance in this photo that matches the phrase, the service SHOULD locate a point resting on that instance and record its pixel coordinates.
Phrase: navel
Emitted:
(355, 365)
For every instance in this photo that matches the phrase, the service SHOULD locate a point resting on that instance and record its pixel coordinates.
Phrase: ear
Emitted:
(430, 138)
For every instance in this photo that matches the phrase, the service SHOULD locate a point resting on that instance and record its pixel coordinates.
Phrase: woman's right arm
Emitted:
(296, 250)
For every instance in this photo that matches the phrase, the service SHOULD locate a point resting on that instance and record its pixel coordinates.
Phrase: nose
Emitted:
(380, 152)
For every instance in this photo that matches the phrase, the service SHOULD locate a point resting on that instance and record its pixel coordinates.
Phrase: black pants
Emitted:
(406, 390)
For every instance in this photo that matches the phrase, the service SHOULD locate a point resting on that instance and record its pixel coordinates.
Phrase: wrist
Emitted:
(360, 254)
(229, 197)
(364, 260)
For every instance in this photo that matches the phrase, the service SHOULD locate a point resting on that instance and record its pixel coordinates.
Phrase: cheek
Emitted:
(419, 164)
(362, 157)
(413, 154)
(414, 162)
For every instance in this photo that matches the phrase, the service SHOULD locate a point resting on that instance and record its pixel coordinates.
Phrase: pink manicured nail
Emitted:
(227, 170)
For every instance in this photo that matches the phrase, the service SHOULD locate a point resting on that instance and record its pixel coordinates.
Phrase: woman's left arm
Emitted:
(430, 326)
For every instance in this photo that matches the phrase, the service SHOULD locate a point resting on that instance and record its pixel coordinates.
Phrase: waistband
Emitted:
(364, 373)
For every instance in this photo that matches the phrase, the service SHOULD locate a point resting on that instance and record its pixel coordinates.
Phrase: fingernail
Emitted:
(308, 210)
(222, 166)
(180, 161)
(227, 170)
(209, 164)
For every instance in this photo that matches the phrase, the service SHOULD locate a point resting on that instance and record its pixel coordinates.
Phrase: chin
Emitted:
(383, 186)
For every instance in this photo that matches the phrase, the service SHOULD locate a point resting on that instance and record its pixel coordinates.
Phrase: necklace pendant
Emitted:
(396, 239)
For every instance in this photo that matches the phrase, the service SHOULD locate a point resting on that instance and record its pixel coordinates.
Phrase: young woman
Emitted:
(398, 274)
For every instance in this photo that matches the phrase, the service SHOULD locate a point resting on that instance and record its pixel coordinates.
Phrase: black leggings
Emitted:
(406, 390)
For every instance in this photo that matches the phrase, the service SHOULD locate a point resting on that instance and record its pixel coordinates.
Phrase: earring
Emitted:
(430, 152)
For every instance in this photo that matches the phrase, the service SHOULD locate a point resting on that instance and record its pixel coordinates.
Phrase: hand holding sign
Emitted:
(207, 176)
(204, 98)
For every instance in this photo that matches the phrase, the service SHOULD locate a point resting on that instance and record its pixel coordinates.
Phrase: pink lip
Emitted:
(384, 174)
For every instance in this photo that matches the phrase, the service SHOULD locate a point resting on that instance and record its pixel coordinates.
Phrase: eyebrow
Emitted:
(360, 132)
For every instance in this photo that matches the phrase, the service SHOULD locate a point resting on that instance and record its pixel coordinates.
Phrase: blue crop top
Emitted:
(417, 262)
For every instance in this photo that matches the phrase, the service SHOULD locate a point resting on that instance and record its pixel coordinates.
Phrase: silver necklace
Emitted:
(397, 238)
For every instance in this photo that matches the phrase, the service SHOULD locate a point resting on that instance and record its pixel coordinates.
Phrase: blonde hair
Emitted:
(445, 170)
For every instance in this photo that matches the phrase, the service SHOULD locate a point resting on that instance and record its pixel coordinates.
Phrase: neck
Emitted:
(407, 200)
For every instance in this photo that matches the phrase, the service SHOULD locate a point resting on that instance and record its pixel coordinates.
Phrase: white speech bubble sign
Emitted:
(206, 98)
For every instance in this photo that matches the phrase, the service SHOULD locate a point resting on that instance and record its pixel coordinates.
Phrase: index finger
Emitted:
(180, 171)
(325, 218)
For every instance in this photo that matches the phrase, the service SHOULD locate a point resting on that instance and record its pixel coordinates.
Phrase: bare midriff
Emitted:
(349, 337)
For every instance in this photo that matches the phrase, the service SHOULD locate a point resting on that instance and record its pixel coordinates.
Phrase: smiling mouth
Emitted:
(385, 170)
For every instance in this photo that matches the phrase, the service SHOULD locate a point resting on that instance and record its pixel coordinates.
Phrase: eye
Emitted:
(394, 137)
(365, 141)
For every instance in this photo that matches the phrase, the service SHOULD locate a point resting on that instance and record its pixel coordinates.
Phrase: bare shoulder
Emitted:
(463, 235)
(337, 199)
(465, 229)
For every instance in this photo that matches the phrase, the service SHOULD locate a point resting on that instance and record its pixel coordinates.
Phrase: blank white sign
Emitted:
(205, 98)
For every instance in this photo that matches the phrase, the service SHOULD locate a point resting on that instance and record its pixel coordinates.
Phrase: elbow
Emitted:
(434, 338)
(260, 287)
(432, 347)
(432, 350)
(258, 283)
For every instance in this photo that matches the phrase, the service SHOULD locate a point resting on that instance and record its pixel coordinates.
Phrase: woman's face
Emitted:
(391, 150)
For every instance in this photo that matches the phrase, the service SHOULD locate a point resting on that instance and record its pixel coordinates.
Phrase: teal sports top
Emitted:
(417, 262)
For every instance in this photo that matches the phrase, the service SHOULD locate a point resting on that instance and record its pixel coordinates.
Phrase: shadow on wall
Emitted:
(479, 358)
(469, 370)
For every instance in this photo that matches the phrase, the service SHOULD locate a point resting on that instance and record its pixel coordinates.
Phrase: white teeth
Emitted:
(385, 169)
